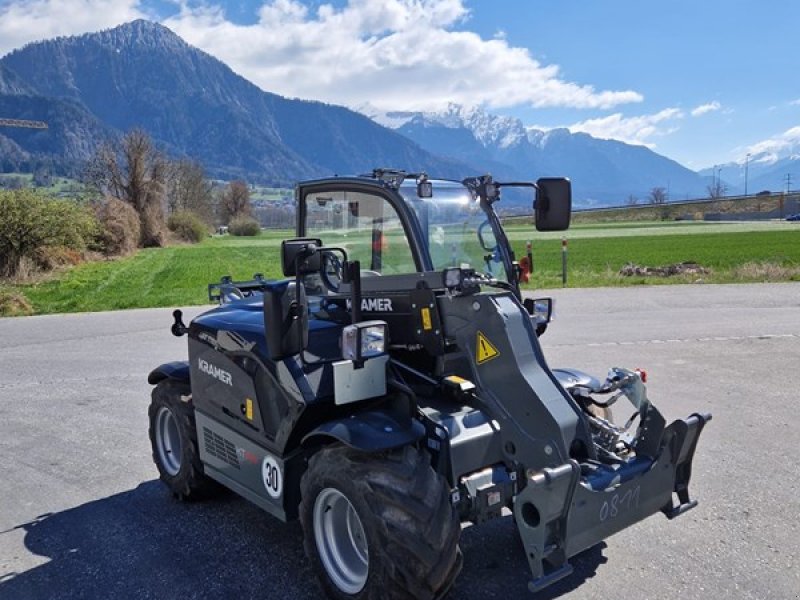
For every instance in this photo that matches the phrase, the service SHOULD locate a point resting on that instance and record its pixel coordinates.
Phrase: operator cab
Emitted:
(393, 231)
(406, 230)
(414, 240)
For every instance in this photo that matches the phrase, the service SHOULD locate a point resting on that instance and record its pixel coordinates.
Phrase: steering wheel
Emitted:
(331, 271)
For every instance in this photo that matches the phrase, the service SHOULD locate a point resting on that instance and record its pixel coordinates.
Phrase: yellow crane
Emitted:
(22, 123)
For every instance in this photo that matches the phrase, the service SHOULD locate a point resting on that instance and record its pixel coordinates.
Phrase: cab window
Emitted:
(365, 225)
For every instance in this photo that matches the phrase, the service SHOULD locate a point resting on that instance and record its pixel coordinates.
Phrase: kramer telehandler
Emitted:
(393, 387)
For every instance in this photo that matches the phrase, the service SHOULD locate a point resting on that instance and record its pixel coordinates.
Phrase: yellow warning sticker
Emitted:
(249, 409)
(426, 319)
(484, 350)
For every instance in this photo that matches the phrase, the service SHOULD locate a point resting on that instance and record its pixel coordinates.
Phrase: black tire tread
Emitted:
(417, 554)
(190, 483)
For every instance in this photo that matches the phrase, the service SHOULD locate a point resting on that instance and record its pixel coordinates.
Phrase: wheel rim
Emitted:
(341, 541)
(168, 441)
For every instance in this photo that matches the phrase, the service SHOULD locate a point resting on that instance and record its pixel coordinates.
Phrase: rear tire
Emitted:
(173, 436)
(379, 526)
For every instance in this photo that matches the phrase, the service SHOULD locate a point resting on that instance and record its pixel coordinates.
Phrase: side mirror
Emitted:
(553, 204)
(541, 311)
(300, 256)
(285, 319)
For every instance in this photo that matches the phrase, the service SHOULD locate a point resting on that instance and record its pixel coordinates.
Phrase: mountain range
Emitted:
(96, 86)
(143, 75)
(764, 171)
(602, 171)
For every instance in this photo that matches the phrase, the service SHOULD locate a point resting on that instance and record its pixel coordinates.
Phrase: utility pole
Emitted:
(746, 163)
(788, 182)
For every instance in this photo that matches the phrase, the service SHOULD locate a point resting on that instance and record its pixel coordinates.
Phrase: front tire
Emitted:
(379, 526)
(173, 436)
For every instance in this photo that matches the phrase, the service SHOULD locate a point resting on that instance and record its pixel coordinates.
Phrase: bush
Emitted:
(31, 223)
(187, 226)
(51, 257)
(119, 227)
(244, 226)
(14, 304)
(154, 231)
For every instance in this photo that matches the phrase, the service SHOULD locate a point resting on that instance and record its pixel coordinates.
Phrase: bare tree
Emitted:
(235, 201)
(658, 195)
(716, 190)
(136, 173)
(189, 189)
(632, 200)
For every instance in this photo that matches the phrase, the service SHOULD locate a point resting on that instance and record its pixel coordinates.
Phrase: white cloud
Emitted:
(408, 54)
(632, 130)
(795, 102)
(776, 147)
(31, 20)
(706, 108)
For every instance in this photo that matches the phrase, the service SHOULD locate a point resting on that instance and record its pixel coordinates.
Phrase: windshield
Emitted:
(456, 229)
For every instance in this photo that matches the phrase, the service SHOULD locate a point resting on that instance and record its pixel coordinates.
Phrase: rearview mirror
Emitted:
(285, 318)
(553, 204)
(541, 311)
(300, 256)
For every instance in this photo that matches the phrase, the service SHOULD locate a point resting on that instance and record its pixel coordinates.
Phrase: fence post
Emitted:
(529, 251)
(564, 262)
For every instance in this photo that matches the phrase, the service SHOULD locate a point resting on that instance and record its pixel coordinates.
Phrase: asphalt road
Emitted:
(82, 514)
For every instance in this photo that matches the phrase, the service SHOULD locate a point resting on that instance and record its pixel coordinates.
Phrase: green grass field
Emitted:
(57, 185)
(732, 255)
(178, 276)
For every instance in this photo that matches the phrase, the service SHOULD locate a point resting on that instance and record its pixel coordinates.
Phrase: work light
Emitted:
(364, 340)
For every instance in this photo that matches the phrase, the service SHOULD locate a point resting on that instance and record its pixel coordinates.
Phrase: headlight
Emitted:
(364, 340)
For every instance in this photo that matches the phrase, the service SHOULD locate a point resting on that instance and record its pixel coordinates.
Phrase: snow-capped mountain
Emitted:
(488, 129)
(764, 171)
(602, 171)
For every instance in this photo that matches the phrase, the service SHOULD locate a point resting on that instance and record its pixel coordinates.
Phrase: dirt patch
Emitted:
(684, 268)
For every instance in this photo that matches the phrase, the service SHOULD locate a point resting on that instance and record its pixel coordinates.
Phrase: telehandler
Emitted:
(392, 386)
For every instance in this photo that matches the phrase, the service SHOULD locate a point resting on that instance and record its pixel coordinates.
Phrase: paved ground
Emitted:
(83, 516)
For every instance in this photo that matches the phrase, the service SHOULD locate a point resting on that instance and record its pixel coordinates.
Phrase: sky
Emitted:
(703, 82)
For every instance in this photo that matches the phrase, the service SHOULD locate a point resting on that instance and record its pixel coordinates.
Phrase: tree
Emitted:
(135, 172)
(188, 189)
(658, 197)
(32, 223)
(632, 200)
(716, 190)
(235, 201)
